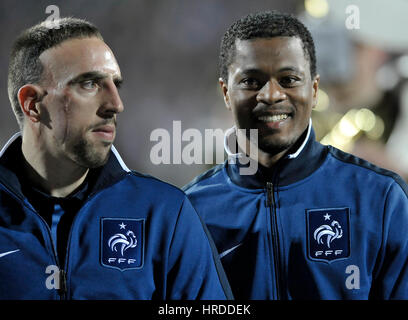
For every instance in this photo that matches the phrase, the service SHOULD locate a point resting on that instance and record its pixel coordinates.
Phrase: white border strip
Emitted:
(9, 142)
(309, 129)
(290, 156)
(118, 157)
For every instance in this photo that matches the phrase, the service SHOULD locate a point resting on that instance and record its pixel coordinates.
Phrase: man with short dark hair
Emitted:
(75, 222)
(313, 222)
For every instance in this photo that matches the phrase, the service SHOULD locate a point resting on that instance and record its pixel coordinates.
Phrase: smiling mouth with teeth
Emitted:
(278, 117)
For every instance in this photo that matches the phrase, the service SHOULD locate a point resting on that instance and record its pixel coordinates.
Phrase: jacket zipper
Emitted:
(62, 277)
(275, 239)
(63, 284)
(63, 288)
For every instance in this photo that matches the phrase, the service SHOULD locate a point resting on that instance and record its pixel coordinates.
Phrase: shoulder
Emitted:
(206, 178)
(367, 170)
(152, 187)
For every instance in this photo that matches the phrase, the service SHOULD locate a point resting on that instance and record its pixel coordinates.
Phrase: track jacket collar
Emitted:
(294, 166)
(110, 173)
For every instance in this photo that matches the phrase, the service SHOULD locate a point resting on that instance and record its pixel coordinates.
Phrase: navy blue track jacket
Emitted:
(322, 224)
(135, 237)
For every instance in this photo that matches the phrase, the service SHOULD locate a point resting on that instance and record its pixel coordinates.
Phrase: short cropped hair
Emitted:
(266, 24)
(25, 66)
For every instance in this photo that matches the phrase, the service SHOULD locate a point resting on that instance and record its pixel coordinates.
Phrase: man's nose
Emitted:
(271, 93)
(112, 103)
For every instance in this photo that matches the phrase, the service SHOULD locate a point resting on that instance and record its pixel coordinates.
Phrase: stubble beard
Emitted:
(275, 147)
(87, 155)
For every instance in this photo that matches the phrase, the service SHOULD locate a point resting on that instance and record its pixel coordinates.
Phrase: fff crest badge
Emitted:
(122, 243)
(328, 234)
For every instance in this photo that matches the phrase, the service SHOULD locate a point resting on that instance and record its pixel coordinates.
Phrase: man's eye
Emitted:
(118, 84)
(250, 83)
(288, 81)
(89, 84)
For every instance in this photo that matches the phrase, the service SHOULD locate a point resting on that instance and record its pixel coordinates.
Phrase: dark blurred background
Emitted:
(168, 54)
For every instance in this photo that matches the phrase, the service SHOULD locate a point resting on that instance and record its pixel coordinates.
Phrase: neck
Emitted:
(269, 160)
(266, 159)
(55, 176)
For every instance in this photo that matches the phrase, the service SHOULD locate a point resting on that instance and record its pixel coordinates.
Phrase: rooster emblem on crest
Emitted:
(332, 231)
(125, 241)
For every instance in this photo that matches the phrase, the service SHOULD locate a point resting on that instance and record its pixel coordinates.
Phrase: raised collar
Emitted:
(294, 166)
(102, 177)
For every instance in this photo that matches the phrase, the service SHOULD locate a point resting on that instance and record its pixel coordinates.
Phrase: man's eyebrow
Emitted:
(259, 71)
(95, 75)
(290, 68)
(251, 70)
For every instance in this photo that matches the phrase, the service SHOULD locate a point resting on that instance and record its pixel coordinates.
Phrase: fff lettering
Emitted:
(328, 252)
(121, 260)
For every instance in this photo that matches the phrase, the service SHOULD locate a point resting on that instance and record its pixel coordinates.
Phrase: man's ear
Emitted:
(315, 88)
(29, 97)
(224, 89)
